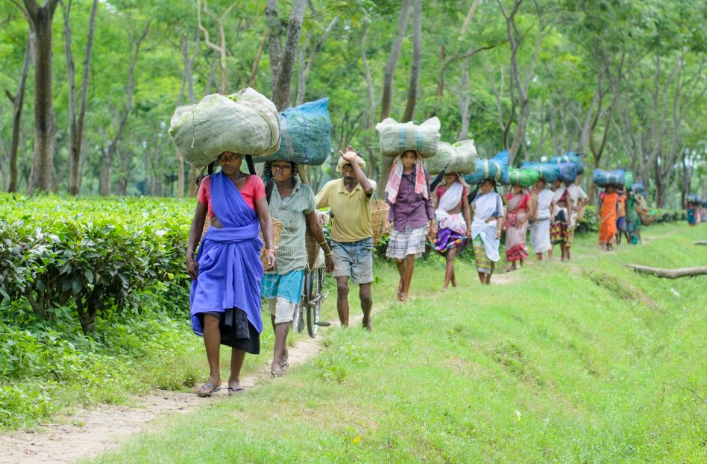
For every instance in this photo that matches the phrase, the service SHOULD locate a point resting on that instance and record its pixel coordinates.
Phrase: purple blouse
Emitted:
(411, 210)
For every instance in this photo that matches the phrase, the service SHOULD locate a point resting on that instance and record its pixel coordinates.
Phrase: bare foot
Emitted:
(367, 324)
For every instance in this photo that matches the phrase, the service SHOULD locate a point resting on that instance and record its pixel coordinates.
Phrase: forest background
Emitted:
(90, 85)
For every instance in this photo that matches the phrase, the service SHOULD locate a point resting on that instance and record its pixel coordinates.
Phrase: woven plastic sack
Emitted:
(523, 177)
(568, 172)
(245, 122)
(628, 180)
(548, 172)
(605, 178)
(459, 157)
(496, 169)
(570, 157)
(396, 138)
(639, 188)
(305, 133)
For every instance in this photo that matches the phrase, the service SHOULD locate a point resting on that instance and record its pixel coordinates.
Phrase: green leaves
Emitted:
(96, 260)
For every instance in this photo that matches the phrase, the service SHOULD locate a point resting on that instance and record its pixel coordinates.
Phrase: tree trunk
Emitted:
(18, 103)
(129, 90)
(256, 62)
(414, 85)
(669, 273)
(387, 94)
(40, 19)
(282, 93)
(76, 122)
(304, 73)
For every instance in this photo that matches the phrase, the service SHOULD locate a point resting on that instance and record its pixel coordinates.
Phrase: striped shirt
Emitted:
(291, 251)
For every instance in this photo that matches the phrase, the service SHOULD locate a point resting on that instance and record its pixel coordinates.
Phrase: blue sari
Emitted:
(230, 270)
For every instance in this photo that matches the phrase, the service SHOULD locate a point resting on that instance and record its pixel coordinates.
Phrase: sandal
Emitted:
(284, 366)
(235, 390)
(277, 373)
(207, 390)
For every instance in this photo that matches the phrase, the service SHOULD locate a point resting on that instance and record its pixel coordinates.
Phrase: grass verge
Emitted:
(582, 362)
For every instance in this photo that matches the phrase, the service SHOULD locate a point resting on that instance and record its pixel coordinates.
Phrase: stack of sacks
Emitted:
(306, 134)
(570, 157)
(568, 173)
(397, 138)
(245, 122)
(495, 169)
(523, 177)
(549, 172)
(604, 179)
(459, 157)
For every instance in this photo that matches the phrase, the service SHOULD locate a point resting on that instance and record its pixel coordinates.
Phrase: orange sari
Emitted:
(609, 213)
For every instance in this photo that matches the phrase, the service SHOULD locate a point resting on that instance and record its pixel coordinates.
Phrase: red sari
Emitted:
(517, 226)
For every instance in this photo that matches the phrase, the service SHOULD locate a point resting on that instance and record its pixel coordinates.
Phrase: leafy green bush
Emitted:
(94, 254)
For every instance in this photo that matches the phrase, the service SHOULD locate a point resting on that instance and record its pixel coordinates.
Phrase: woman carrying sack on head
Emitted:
(516, 224)
(486, 230)
(540, 228)
(226, 273)
(607, 212)
(292, 203)
(411, 214)
(562, 210)
(454, 221)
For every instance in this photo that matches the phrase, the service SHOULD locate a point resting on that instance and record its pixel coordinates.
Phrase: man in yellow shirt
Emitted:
(349, 199)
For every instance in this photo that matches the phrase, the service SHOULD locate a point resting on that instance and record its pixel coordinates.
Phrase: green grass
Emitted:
(584, 362)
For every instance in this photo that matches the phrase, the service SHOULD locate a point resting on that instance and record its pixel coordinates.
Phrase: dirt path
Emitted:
(90, 433)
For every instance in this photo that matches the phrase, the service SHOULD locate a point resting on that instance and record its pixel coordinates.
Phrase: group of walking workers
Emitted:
(231, 283)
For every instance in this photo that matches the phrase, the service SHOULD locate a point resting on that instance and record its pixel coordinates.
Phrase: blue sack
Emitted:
(549, 172)
(305, 133)
(605, 178)
(495, 169)
(639, 188)
(568, 173)
(570, 157)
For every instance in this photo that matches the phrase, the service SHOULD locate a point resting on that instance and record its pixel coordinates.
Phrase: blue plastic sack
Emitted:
(568, 172)
(496, 169)
(570, 157)
(639, 188)
(305, 133)
(549, 172)
(603, 178)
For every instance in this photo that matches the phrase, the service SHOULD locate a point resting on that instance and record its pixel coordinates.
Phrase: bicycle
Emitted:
(310, 304)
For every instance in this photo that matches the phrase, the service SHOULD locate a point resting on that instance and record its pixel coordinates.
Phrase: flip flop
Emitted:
(275, 373)
(207, 390)
(235, 390)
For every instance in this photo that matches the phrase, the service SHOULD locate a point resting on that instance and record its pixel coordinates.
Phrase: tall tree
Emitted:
(17, 105)
(76, 121)
(129, 91)
(388, 79)
(283, 60)
(40, 19)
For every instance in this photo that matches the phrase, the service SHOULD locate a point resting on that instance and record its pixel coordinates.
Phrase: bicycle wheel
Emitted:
(313, 289)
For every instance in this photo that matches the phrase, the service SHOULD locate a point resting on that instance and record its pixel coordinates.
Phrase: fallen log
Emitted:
(701, 242)
(670, 273)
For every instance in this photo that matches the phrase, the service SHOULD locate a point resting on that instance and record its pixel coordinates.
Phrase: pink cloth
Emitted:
(396, 175)
(252, 190)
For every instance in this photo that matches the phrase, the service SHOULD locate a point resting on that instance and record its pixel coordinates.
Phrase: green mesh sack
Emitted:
(245, 122)
(396, 137)
(458, 157)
